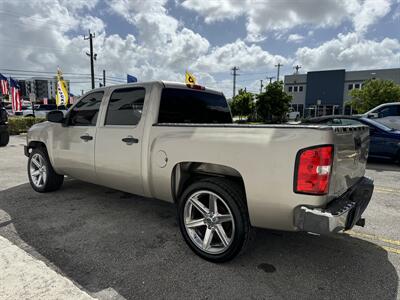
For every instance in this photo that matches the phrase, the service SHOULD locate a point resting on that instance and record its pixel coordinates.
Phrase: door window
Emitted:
(125, 106)
(85, 112)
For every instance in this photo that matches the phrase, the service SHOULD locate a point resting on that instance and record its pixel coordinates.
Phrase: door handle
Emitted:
(129, 140)
(86, 137)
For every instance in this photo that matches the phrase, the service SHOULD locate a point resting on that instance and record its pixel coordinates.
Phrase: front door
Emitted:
(73, 144)
(118, 148)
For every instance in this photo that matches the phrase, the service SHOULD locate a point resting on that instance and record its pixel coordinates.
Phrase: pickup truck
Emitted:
(177, 143)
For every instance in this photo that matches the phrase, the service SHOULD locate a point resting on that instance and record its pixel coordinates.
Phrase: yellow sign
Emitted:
(190, 79)
(62, 96)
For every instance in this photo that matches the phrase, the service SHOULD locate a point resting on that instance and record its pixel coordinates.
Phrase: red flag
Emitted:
(4, 87)
(16, 99)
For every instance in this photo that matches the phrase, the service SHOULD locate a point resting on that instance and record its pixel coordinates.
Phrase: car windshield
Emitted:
(377, 124)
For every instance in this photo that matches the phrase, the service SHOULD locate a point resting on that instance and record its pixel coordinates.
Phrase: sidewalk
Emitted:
(24, 277)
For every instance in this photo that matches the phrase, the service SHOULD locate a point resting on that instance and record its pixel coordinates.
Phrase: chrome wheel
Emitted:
(38, 170)
(209, 222)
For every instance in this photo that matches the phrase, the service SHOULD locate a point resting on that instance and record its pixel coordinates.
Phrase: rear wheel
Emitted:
(42, 176)
(213, 219)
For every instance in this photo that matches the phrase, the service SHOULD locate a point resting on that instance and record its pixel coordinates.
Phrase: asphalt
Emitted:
(114, 245)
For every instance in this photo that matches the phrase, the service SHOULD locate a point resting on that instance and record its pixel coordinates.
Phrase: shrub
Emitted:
(19, 125)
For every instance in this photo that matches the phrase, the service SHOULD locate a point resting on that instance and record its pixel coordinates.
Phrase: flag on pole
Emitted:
(62, 96)
(16, 101)
(4, 84)
(189, 78)
(130, 78)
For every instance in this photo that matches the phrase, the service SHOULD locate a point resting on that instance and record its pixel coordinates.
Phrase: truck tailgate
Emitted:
(350, 159)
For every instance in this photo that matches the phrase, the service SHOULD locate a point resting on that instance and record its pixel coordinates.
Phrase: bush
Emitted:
(19, 125)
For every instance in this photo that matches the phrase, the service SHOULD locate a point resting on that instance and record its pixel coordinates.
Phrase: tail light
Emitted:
(313, 169)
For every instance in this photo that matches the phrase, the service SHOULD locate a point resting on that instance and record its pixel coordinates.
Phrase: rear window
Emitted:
(193, 106)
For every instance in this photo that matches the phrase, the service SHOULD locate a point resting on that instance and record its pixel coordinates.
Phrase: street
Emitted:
(102, 243)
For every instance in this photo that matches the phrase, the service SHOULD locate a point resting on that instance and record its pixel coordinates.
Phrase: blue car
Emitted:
(384, 141)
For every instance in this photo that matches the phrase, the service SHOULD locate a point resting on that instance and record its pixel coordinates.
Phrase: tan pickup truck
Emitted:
(177, 143)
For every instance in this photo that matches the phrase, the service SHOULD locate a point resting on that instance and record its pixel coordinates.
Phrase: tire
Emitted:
(4, 138)
(230, 202)
(39, 162)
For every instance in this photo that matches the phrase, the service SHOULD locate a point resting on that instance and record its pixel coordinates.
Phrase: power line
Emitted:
(234, 74)
(279, 65)
(270, 79)
(92, 56)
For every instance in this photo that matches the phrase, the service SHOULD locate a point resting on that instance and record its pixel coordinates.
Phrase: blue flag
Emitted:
(130, 78)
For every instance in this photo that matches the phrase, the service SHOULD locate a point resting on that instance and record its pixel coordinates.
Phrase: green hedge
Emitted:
(19, 125)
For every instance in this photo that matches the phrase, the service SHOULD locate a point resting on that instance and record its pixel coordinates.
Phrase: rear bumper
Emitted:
(340, 214)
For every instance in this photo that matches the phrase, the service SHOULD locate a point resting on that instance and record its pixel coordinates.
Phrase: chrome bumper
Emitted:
(340, 214)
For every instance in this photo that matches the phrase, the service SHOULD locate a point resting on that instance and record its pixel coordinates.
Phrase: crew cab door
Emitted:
(73, 143)
(119, 140)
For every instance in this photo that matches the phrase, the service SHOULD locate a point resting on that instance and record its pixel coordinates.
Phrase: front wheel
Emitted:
(4, 138)
(213, 219)
(42, 176)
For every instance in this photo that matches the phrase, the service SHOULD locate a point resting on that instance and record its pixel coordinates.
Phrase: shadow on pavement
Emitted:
(381, 165)
(102, 238)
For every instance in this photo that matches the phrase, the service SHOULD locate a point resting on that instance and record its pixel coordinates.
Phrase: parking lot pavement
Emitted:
(112, 244)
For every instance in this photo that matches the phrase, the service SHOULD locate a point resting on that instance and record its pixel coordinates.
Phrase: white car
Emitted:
(387, 114)
(384, 110)
(293, 115)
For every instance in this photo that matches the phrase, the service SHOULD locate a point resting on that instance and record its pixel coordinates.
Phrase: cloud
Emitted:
(250, 57)
(351, 51)
(295, 38)
(271, 15)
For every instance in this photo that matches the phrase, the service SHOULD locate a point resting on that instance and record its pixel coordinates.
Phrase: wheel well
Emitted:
(36, 144)
(185, 173)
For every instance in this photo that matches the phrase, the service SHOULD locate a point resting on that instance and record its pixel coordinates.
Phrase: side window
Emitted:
(85, 112)
(125, 106)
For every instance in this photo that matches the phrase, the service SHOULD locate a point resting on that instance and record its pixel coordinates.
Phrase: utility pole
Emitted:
(279, 65)
(104, 77)
(92, 56)
(234, 74)
(297, 68)
(82, 91)
(270, 79)
(261, 85)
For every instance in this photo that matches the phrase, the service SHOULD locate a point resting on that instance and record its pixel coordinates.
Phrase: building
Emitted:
(42, 87)
(321, 93)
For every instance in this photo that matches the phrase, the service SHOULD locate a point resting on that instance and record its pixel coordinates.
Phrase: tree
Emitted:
(373, 93)
(274, 103)
(242, 104)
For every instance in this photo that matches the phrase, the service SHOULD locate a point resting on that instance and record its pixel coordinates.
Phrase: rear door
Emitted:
(73, 144)
(119, 140)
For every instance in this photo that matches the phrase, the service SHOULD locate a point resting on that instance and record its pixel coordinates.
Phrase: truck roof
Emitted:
(167, 84)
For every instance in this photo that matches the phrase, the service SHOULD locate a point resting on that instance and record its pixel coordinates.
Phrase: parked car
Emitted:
(177, 143)
(384, 110)
(293, 115)
(41, 110)
(384, 141)
(4, 132)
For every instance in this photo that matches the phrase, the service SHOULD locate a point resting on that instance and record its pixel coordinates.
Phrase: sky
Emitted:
(160, 39)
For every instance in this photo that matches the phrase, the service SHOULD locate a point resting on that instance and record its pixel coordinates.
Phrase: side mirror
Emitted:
(55, 116)
(373, 115)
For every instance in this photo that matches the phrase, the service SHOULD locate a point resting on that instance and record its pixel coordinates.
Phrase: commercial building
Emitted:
(321, 93)
(41, 87)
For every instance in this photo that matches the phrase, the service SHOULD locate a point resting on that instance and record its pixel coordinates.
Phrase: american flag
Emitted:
(16, 97)
(4, 84)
